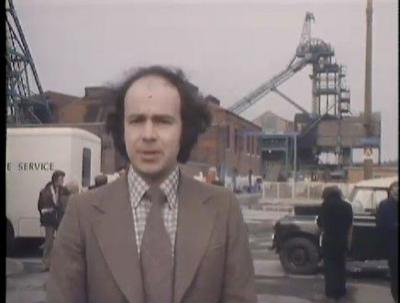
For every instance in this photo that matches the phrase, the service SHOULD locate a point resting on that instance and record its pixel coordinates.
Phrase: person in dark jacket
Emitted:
(387, 222)
(48, 209)
(335, 222)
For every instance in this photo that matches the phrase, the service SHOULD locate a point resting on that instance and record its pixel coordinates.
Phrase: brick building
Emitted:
(90, 113)
(230, 144)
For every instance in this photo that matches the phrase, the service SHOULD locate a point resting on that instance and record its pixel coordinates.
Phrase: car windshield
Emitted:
(366, 200)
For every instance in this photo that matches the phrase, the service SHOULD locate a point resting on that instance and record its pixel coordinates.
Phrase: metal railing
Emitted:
(304, 191)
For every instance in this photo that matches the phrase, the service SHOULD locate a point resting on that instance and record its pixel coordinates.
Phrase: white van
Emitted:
(32, 155)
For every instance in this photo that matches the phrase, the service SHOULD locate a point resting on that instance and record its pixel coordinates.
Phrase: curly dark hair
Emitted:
(195, 114)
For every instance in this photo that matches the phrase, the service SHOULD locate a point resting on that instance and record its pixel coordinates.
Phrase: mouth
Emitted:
(149, 155)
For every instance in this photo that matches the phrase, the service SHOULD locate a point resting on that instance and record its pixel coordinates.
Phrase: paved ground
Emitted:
(366, 282)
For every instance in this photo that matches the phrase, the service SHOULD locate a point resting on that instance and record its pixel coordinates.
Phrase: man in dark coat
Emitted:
(48, 209)
(335, 222)
(387, 222)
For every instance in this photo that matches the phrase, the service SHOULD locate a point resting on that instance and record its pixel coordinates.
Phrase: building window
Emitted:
(236, 147)
(257, 146)
(252, 145)
(86, 167)
(248, 138)
(228, 136)
(241, 142)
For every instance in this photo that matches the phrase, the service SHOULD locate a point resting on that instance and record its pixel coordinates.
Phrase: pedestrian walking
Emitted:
(387, 222)
(48, 204)
(335, 221)
(123, 242)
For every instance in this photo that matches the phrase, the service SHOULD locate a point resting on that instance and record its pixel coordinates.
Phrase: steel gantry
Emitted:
(26, 102)
(330, 100)
(327, 78)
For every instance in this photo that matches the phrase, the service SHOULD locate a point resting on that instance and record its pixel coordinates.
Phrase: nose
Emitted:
(149, 132)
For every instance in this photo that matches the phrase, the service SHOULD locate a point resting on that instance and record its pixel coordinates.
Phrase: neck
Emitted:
(156, 179)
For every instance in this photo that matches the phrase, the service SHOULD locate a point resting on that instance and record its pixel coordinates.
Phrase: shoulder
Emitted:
(347, 204)
(207, 189)
(46, 191)
(213, 195)
(383, 204)
(100, 196)
(387, 205)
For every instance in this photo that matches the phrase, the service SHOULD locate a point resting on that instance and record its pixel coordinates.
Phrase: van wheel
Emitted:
(10, 239)
(299, 256)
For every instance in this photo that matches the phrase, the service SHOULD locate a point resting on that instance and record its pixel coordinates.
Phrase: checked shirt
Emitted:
(141, 205)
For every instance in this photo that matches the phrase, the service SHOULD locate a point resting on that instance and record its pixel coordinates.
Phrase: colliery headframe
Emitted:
(329, 128)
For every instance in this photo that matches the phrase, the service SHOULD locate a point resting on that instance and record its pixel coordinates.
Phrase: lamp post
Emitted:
(294, 164)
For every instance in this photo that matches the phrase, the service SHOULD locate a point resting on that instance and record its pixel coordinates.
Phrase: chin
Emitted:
(149, 169)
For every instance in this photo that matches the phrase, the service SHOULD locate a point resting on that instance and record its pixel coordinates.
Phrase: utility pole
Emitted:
(294, 165)
(368, 161)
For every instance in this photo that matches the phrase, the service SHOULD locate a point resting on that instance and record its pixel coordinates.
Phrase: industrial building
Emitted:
(230, 144)
(329, 128)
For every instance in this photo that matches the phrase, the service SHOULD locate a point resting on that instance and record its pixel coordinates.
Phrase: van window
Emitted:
(366, 200)
(86, 163)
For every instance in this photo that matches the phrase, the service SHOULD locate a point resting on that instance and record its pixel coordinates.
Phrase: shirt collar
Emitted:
(138, 187)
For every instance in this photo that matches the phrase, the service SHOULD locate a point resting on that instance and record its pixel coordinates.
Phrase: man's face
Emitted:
(153, 127)
(60, 181)
(394, 191)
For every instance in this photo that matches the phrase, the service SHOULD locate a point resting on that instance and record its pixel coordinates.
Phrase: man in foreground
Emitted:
(154, 235)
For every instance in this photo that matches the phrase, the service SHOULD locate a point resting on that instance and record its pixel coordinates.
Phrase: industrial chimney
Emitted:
(368, 162)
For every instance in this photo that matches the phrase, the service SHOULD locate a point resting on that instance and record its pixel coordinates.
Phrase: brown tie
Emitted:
(156, 253)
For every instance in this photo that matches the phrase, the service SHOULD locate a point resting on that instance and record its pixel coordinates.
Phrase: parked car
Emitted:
(296, 237)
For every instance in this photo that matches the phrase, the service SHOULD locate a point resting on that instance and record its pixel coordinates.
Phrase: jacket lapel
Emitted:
(115, 232)
(195, 223)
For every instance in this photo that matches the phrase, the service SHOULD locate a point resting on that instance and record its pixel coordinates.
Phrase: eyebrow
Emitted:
(153, 117)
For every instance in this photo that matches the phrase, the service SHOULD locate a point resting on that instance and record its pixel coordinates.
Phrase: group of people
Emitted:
(157, 235)
(336, 224)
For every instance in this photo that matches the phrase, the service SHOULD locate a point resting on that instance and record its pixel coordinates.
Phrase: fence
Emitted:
(306, 191)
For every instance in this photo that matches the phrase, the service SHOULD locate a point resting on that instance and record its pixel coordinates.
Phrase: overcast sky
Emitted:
(227, 48)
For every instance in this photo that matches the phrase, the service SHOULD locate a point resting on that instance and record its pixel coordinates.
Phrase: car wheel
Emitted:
(10, 239)
(299, 256)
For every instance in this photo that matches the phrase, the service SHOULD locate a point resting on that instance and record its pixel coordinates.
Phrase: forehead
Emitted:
(152, 88)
